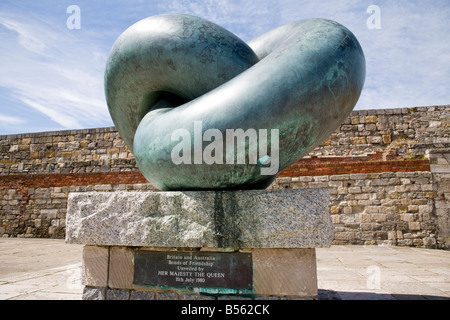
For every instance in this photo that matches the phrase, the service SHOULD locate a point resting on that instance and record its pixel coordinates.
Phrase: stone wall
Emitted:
(387, 172)
(394, 208)
(440, 168)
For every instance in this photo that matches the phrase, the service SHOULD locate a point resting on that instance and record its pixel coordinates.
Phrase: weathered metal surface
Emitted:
(193, 269)
(179, 72)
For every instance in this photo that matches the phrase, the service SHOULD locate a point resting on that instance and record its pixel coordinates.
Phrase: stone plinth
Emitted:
(237, 219)
(278, 228)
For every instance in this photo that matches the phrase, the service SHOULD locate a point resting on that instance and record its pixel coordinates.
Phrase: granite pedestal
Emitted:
(201, 244)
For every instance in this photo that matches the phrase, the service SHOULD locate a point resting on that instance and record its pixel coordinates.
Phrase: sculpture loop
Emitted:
(201, 109)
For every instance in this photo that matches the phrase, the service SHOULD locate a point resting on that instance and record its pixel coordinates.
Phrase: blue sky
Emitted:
(51, 77)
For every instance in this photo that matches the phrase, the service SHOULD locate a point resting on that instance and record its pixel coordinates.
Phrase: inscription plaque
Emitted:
(232, 270)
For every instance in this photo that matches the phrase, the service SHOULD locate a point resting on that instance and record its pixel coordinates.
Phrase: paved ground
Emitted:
(383, 273)
(39, 269)
(47, 269)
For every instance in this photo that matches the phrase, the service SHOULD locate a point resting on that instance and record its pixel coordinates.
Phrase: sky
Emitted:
(52, 57)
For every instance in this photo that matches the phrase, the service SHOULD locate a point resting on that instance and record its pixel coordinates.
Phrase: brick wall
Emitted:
(376, 166)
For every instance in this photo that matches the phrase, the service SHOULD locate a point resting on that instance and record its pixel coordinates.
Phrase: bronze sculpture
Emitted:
(203, 110)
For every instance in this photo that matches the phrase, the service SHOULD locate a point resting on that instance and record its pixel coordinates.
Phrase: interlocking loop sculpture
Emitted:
(201, 109)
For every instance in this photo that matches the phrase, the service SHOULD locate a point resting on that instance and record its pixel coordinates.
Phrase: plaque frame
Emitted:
(222, 270)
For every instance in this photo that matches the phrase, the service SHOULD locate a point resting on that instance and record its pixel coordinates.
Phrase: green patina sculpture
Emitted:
(203, 110)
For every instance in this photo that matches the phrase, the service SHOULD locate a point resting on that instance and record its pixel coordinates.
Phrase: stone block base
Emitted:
(262, 242)
(277, 274)
(201, 219)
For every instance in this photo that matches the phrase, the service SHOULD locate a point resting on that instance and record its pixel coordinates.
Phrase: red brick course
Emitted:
(18, 181)
(305, 167)
(348, 165)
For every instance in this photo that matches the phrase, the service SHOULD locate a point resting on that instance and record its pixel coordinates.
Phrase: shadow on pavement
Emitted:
(344, 295)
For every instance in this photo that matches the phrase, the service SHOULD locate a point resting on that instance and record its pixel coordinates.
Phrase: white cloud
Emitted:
(5, 119)
(58, 73)
(56, 114)
(26, 38)
(408, 59)
(53, 70)
(247, 19)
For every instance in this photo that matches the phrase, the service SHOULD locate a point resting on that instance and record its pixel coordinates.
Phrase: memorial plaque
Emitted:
(193, 269)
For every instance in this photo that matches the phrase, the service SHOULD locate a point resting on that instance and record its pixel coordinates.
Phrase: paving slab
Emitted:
(383, 273)
(50, 269)
(40, 269)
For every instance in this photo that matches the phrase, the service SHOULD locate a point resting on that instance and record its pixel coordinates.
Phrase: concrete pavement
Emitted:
(49, 269)
(383, 273)
(39, 269)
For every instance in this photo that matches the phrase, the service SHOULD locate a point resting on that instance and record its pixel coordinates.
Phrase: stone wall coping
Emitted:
(365, 112)
(58, 133)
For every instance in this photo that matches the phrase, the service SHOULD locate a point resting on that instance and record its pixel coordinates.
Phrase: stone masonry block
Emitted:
(285, 272)
(117, 294)
(121, 268)
(414, 226)
(92, 293)
(371, 119)
(142, 295)
(95, 266)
